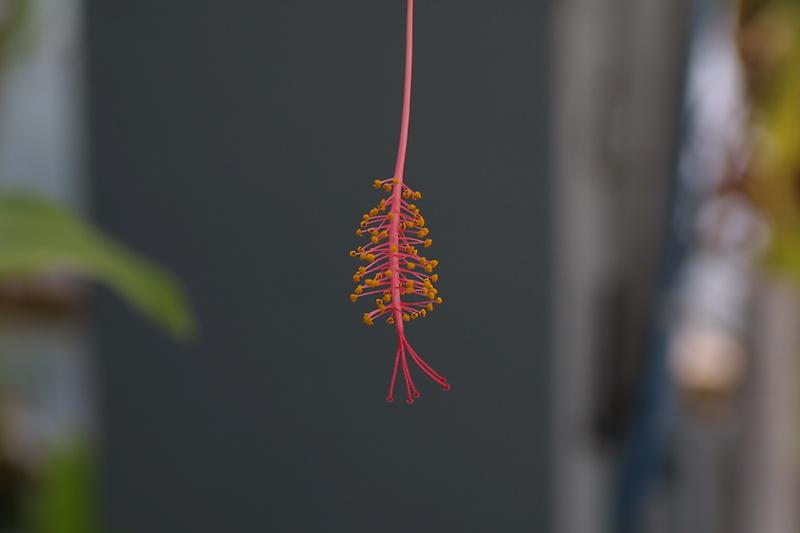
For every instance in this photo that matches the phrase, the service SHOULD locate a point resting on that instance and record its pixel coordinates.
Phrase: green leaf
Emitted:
(38, 236)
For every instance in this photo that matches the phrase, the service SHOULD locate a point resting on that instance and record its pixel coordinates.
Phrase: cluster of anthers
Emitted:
(400, 280)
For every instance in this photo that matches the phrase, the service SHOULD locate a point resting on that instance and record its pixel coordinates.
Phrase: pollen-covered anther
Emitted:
(377, 184)
(367, 319)
(423, 232)
(410, 265)
(427, 243)
(390, 320)
(359, 289)
(353, 298)
(406, 318)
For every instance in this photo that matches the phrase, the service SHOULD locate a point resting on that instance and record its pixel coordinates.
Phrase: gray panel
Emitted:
(236, 142)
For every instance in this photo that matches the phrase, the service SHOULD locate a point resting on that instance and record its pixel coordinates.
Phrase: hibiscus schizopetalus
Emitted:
(397, 277)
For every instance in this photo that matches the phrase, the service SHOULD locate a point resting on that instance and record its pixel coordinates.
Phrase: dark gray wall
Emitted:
(236, 142)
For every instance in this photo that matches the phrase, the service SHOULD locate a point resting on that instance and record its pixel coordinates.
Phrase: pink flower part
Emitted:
(400, 279)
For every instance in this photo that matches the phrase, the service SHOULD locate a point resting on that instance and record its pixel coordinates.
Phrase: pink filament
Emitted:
(398, 209)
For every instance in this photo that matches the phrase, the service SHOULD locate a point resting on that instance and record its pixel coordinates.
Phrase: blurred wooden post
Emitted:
(769, 497)
(616, 86)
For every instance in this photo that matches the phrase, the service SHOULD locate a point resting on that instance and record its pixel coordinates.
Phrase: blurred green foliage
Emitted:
(64, 498)
(769, 42)
(41, 237)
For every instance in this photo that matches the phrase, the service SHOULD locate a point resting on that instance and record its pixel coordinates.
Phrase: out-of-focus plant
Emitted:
(769, 41)
(39, 237)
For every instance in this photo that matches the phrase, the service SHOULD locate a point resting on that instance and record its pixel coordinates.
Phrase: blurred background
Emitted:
(179, 184)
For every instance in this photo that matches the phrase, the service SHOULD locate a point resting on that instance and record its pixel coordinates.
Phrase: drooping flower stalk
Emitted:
(401, 280)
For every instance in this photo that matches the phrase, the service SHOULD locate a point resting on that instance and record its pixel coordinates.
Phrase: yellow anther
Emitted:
(435, 278)
(370, 257)
(374, 238)
(423, 232)
(390, 216)
(353, 297)
(353, 253)
(439, 300)
(363, 224)
(429, 307)
(356, 278)
(406, 194)
(420, 221)
(370, 282)
(373, 212)
(387, 297)
(423, 313)
(388, 273)
(390, 320)
(434, 263)
(410, 266)
(393, 249)
(359, 232)
(409, 224)
(387, 186)
(379, 275)
(359, 289)
(406, 318)
(414, 315)
(417, 195)
(394, 180)
(378, 302)
(377, 184)
(367, 320)
(427, 243)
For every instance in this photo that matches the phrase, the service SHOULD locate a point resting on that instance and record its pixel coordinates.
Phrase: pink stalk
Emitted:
(393, 259)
